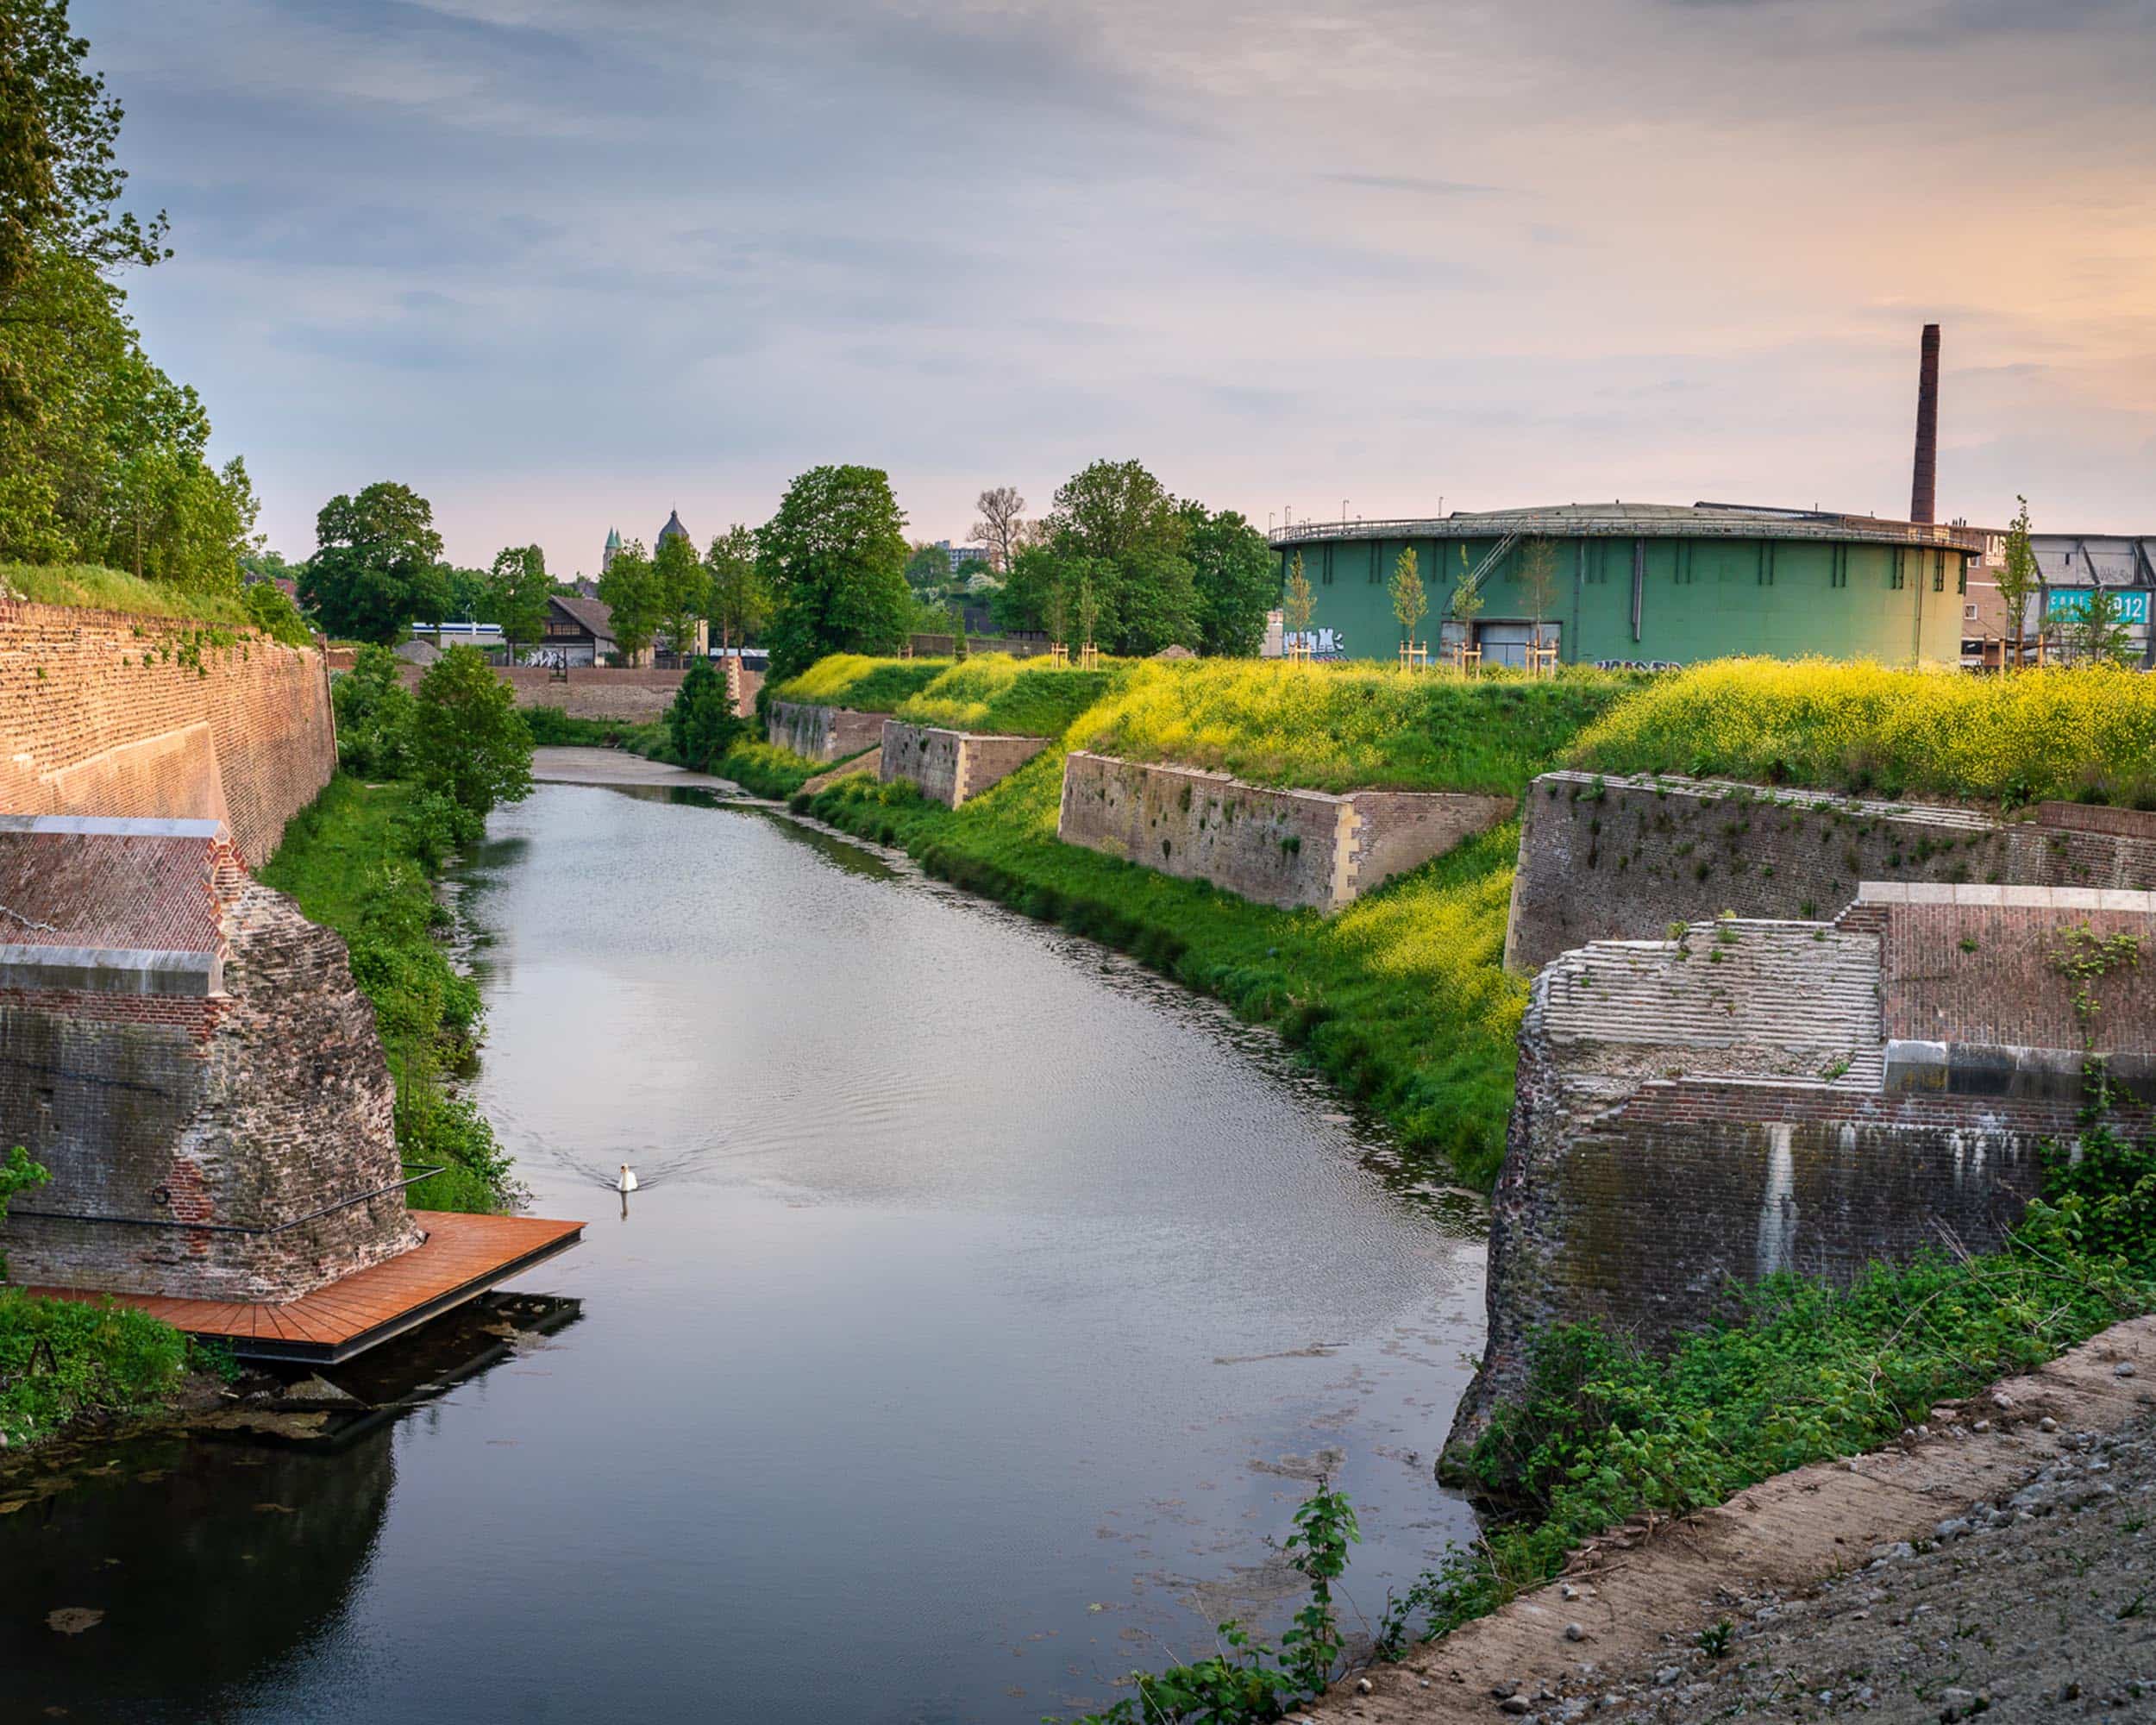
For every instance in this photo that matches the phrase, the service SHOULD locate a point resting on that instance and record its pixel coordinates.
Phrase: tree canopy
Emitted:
(682, 591)
(834, 558)
(630, 589)
(468, 741)
(741, 604)
(517, 593)
(376, 565)
(1237, 581)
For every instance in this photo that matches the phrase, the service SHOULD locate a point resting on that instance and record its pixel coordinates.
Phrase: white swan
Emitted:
(627, 1182)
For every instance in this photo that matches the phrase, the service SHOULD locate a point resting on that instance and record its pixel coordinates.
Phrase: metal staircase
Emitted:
(1490, 561)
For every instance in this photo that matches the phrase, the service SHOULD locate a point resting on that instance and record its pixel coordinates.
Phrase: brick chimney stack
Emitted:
(1924, 486)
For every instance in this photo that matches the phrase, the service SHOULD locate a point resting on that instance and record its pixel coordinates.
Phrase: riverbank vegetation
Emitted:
(362, 858)
(2088, 733)
(1609, 1434)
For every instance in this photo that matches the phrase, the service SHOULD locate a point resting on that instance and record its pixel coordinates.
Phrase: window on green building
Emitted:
(1938, 572)
(1961, 579)
(1898, 577)
(1838, 567)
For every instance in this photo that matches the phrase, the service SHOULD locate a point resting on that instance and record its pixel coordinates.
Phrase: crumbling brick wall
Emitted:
(950, 766)
(1287, 848)
(630, 694)
(106, 714)
(248, 1110)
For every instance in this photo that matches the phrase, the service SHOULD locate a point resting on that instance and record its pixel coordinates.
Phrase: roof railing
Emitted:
(1711, 524)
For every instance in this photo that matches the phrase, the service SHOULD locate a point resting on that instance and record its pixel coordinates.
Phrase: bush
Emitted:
(61, 1360)
(701, 723)
(374, 717)
(469, 743)
(275, 615)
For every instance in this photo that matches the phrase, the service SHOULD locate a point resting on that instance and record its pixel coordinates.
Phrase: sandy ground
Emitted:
(2054, 1596)
(565, 766)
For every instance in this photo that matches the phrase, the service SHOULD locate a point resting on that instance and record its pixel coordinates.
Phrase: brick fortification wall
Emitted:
(822, 733)
(178, 1043)
(1772, 1095)
(1278, 847)
(590, 691)
(1624, 858)
(950, 766)
(104, 714)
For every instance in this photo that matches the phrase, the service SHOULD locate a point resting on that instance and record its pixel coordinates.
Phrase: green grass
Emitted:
(1862, 728)
(1349, 727)
(769, 769)
(1400, 1000)
(359, 859)
(61, 1360)
(996, 693)
(90, 587)
(854, 680)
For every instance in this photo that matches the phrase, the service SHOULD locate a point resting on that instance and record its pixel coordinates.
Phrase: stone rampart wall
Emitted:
(822, 733)
(106, 714)
(1623, 858)
(950, 766)
(589, 691)
(1287, 848)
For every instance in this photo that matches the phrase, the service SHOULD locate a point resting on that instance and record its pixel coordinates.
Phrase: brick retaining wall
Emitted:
(107, 714)
(950, 766)
(1287, 848)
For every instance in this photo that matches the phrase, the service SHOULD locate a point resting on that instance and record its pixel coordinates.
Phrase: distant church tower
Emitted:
(672, 530)
(613, 548)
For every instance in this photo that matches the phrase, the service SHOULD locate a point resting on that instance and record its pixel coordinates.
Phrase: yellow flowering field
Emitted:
(993, 692)
(1339, 727)
(861, 681)
(1863, 728)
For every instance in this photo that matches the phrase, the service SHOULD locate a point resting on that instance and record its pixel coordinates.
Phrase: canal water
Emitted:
(987, 1307)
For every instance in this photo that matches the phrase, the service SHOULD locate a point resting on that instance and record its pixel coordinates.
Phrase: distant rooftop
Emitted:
(1617, 520)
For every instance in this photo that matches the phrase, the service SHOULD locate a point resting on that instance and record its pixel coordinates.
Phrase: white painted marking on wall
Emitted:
(1777, 1211)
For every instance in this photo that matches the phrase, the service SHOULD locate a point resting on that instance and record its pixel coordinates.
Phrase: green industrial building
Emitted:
(1645, 584)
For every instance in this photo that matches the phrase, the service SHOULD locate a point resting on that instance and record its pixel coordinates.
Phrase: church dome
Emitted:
(674, 529)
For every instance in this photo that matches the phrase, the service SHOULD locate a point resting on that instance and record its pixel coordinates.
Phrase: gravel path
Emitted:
(2039, 1603)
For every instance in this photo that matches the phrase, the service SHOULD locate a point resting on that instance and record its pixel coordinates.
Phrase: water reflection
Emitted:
(988, 1304)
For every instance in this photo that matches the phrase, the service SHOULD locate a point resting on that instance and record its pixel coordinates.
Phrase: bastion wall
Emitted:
(950, 766)
(1289, 848)
(106, 714)
(821, 733)
(1614, 858)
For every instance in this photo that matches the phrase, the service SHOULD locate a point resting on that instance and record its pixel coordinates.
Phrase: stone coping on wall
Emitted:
(2026, 898)
(1783, 796)
(111, 970)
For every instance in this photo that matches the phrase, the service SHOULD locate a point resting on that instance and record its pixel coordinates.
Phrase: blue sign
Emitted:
(2071, 604)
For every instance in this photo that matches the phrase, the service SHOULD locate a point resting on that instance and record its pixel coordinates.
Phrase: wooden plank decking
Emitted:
(462, 1257)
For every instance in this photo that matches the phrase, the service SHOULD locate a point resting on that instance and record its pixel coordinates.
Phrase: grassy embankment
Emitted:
(1400, 1000)
(87, 587)
(360, 859)
(2087, 735)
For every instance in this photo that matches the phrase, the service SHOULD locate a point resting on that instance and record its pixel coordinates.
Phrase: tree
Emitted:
(1297, 603)
(1001, 528)
(682, 591)
(2019, 580)
(741, 604)
(834, 557)
(377, 565)
(2097, 634)
(465, 593)
(1410, 603)
(1538, 580)
(519, 596)
(374, 716)
(702, 723)
(630, 590)
(17, 1174)
(1236, 579)
(468, 741)
(928, 570)
(1115, 529)
(1466, 603)
(59, 180)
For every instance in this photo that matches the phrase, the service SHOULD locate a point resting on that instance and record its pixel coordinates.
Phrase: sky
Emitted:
(564, 264)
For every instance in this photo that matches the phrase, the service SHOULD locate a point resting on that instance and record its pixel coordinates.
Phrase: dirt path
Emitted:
(565, 764)
(1617, 1638)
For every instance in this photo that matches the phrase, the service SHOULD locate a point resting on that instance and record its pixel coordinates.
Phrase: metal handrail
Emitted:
(1862, 529)
(426, 1172)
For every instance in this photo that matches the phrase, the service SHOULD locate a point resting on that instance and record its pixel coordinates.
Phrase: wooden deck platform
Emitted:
(463, 1256)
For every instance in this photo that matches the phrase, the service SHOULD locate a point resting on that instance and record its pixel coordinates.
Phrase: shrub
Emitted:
(374, 717)
(275, 615)
(469, 740)
(61, 1359)
(701, 723)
